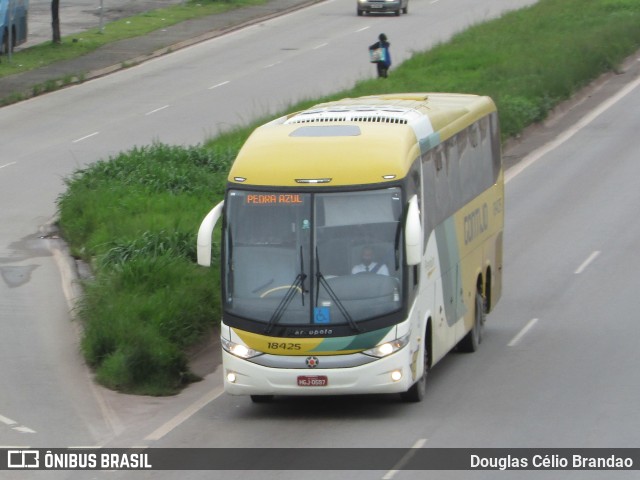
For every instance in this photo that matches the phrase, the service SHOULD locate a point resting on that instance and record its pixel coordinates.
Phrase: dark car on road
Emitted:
(370, 6)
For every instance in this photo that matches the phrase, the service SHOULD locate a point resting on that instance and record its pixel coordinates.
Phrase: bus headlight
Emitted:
(388, 348)
(238, 349)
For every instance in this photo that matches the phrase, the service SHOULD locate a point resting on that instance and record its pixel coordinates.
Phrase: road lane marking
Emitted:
(403, 461)
(587, 262)
(23, 429)
(15, 426)
(272, 65)
(7, 421)
(537, 154)
(362, 29)
(320, 46)
(515, 340)
(218, 85)
(85, 137)
(185, 414)
(157, 110)
(7, 164)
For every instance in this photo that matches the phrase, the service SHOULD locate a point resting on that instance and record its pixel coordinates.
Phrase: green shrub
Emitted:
(142, 314)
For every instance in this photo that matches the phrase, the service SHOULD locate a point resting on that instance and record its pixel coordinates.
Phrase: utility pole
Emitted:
(55, 21)
(101, 16)
(10, 31)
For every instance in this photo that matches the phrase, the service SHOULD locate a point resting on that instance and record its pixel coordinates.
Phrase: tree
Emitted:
(55, 20)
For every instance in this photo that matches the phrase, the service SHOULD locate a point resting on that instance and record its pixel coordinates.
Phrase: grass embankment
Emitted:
(78, 44)
(135, 217)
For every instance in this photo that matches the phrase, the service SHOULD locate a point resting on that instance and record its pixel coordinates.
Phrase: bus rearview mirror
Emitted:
(413, 233)
(204, 235)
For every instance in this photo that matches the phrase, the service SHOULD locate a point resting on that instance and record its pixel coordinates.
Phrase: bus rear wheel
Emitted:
(471, 341)
(4, 47)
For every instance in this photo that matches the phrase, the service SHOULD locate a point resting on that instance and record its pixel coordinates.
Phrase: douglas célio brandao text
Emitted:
(550, 462)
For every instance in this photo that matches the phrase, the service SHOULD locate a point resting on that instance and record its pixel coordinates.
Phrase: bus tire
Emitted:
(261, 398)
(4, 47)
(418, 390)
(472, 340)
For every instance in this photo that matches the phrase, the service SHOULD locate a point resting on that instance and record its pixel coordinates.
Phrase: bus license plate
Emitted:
(312, 381)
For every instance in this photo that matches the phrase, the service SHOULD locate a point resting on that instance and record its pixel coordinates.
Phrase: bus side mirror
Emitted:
(413, 233)
(204, 235)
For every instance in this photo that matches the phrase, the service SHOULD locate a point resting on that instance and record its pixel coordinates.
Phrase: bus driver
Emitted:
(368, 264)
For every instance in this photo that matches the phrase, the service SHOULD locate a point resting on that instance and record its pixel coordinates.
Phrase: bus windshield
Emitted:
(312, 259)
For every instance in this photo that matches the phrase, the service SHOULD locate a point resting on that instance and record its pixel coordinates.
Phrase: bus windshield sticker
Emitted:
(321, 315)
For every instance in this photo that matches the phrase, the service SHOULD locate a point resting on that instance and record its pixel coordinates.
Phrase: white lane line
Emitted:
(15, 426)
(185, 414)
(515, 340)
(7, 421)
(362, 29)
(218, 84)
(85, 137)
(23, 429)
(7, 164)
(403, 461)
(320, 46)
(542, 151)
(157, 110)
(272, 65)
(586, 263)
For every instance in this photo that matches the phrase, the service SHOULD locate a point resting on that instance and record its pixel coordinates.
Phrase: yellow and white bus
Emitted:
(410, 185)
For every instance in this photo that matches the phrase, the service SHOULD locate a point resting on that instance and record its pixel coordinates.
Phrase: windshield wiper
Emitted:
(332, 295)
(298, 284)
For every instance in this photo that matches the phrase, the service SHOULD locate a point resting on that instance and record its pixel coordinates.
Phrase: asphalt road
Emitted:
(556, 366)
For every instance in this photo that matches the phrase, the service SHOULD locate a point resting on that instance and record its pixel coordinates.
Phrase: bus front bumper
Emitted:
(392, 374)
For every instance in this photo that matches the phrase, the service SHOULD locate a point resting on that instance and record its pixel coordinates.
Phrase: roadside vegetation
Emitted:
(134, 217)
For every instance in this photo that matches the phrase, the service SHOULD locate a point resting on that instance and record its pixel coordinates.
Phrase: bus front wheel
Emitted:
(261, 398)
(418, 390)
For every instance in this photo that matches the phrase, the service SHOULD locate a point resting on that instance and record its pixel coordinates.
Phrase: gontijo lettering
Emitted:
(476, 223)
(273, 198)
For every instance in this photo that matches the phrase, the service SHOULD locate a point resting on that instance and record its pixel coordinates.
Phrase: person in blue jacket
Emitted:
(383, 65)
